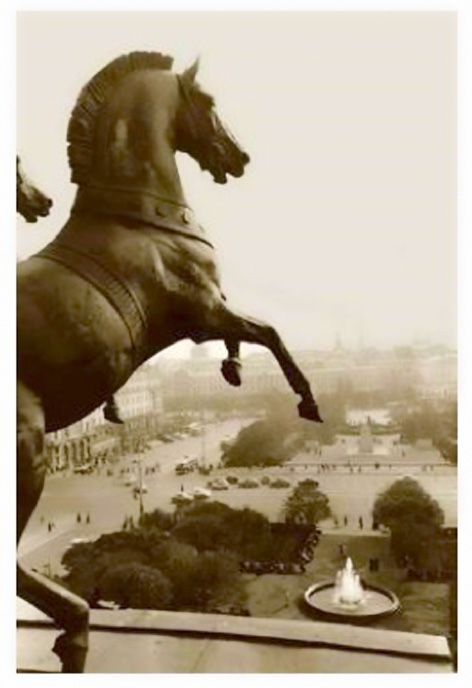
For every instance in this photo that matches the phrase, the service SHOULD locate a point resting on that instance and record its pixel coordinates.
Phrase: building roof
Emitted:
(142, 641)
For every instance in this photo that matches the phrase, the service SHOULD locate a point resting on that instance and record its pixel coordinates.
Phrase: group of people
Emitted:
(79, 518)
(360, 522)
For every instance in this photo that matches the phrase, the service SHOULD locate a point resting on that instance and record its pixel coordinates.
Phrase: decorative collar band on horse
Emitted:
(130, 274)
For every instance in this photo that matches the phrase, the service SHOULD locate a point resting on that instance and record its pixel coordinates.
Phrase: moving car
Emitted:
(186, 466)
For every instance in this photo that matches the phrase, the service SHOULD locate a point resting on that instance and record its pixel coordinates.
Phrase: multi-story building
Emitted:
(329, 372)
(93, 440)
(438, 376)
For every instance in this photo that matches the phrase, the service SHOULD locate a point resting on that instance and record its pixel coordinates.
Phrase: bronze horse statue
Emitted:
(130, 273)
(31, 203)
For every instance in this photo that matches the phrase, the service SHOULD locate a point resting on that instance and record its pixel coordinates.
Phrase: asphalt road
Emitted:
(108, 500)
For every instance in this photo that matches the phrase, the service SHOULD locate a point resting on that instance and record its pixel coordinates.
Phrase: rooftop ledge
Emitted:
(142, 641)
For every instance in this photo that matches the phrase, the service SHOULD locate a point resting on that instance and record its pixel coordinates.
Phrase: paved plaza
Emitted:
(108, 500)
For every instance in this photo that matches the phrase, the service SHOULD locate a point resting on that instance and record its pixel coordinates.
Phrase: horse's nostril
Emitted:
(246, 158)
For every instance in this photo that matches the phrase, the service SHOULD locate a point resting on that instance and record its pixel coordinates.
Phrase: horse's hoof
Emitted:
(231, 370)
(71, 648)
(112, 414)
(309, 410)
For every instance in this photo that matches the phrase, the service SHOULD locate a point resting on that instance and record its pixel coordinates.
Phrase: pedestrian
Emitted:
(49, 526)
(79, 518)
(361, 523)
(87, 520)
(345, 520)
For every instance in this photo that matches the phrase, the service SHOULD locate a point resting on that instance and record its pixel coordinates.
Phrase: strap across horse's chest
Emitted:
(119, 293)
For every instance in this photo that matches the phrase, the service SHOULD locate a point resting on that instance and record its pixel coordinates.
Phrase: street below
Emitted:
(86, 506)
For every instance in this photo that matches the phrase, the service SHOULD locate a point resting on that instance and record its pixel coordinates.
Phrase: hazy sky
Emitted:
(345, 221)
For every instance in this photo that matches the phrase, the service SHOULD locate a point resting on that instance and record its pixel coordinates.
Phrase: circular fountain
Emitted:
(347, 597)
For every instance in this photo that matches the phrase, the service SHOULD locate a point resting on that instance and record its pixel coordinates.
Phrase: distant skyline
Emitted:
(345, 222)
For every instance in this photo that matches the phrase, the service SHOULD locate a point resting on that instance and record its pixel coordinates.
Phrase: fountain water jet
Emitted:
(348, 590)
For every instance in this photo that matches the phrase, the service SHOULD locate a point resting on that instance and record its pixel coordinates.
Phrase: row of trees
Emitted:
(437, 422)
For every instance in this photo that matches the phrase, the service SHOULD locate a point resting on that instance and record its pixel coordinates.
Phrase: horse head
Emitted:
(201, 133)
(133, 116)
(31, 203)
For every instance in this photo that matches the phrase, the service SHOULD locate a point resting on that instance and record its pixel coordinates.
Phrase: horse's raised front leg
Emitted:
(68, 611)
(223, 323)
(231, 366)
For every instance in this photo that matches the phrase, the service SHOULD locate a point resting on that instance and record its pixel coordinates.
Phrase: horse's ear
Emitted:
(188, 76)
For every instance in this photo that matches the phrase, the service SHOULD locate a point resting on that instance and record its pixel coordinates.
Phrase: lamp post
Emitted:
(141, 506)
(203, 437)
(140, 488)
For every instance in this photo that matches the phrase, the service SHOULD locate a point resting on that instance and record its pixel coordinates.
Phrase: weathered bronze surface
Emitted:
(130, 274)
(31, 203)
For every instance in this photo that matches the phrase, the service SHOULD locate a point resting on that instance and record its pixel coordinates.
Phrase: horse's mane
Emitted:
(81, 130)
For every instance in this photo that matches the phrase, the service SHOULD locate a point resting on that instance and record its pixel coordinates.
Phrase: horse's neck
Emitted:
(153, 194)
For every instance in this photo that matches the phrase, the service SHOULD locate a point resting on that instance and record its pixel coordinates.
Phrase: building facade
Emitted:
(93, 441)
(330, 372)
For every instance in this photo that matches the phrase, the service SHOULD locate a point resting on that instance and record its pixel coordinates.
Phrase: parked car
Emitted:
(107, 604)
(219, 484)
(232, 479)
(79, 541)
(87, 468)
(279, 482)
(181, 498)
(248, 482)
(201, 493)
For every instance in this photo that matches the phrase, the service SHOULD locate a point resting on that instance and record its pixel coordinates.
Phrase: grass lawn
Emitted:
(424, 606)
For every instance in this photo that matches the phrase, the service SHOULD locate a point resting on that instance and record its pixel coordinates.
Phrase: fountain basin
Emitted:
(378, 602)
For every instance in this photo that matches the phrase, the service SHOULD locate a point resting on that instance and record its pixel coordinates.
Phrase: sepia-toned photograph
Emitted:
(236, 342)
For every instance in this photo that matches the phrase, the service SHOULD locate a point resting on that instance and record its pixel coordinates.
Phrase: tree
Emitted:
(210, 526)
(157, 519)
(137, 586)
(414, 519)
(263, 443)
(307, 504)
(149, 569)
